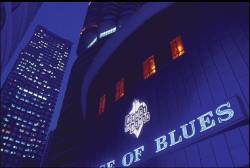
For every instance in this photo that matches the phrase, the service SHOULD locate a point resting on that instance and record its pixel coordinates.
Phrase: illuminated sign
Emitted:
(137, 117)
(203, 125)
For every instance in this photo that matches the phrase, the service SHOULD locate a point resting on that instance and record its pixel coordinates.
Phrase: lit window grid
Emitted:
(31, 76)
(15, 113)
(19, 139)
(15, 141)
(24, 71)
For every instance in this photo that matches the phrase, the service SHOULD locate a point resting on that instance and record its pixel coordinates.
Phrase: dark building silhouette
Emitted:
(98, 21)
(104, 19)
(15, 18)
(28, 97)
(183, 64)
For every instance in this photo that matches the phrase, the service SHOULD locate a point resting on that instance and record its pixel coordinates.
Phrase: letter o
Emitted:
(124, 159)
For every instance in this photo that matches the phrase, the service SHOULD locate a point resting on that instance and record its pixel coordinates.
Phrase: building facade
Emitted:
(28, 97)
(169, 90)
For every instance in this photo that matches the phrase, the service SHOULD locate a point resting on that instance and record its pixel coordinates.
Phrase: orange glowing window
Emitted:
(177, 47)
(102, 102)
(119, 89)
(149, 67)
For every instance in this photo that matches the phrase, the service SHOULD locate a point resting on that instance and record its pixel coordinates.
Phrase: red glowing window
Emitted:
(177, 47)
(149, 67)
(102, 102)
(119, 89)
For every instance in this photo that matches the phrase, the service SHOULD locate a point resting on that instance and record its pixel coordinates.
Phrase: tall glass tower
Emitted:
(29, 95)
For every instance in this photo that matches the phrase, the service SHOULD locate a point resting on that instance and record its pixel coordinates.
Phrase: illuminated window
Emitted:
(177, 47)
(149, 67)
(102, 102)
(119, 89)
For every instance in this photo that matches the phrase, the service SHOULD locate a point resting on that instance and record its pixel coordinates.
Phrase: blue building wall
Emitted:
(214, 69)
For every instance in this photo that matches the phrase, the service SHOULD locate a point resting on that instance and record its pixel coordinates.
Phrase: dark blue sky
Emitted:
(64, 18)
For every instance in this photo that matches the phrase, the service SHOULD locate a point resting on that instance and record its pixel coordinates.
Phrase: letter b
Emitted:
(161, 143)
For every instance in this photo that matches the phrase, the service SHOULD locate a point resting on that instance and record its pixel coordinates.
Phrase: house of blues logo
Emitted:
(137, 117)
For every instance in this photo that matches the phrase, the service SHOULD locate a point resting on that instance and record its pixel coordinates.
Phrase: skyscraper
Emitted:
(28, 97)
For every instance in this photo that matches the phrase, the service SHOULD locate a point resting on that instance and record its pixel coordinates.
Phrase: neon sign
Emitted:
(137, 117)
(201, 125)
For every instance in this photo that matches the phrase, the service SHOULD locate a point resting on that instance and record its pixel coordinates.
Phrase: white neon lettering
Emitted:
(138, 153)
(204, 120)
(109, 164)
(184, 129)
(172, 138)
(161, 143)
(229, 112)
(130, 159)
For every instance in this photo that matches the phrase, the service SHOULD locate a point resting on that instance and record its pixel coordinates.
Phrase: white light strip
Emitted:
(92, 42)
(108, 32)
